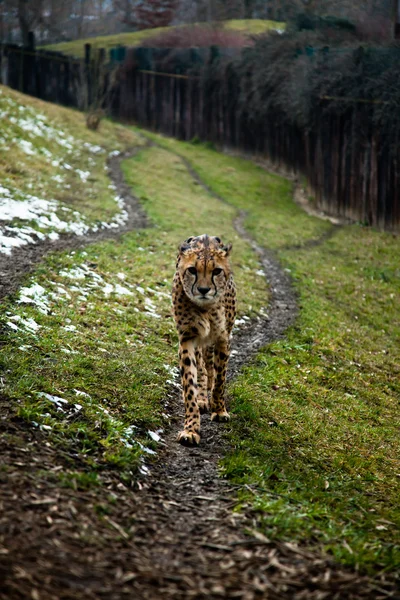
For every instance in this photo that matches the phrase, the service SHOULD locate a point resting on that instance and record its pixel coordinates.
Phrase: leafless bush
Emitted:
(96, 85)
(197, 36)
(375, 29)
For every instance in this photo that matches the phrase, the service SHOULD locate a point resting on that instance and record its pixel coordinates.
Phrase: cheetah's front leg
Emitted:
(209, 360)
(221, 356)
(202, 397)
(187, 361)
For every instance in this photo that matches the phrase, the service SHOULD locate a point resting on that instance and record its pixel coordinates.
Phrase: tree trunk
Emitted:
(23, 21)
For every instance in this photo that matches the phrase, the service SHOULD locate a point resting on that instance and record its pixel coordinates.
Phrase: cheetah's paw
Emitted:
(220, 417)
(203, 406)
(188, 438)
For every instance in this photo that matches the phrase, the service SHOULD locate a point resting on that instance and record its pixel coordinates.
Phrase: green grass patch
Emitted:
(254, 26)
(170, 195)
(135, 38)
(89, 345)
(316, 427)
(316, 416)
(272, 216)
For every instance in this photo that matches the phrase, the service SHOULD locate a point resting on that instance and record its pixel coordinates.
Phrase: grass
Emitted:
(253, 26)
(56, 158)
(89, 357)
(314, 438)
(316, 428)
(76, 47)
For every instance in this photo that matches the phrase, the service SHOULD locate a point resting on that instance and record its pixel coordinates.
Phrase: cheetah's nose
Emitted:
(204, 290)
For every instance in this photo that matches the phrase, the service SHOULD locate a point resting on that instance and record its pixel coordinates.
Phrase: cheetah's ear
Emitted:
(185, 245)
(227, 249)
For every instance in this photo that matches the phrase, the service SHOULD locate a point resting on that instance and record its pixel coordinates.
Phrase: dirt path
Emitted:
(174, 538)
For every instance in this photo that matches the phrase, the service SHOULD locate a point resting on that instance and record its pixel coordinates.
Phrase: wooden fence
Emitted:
(50, 76)
(56, 77)
(348, 178)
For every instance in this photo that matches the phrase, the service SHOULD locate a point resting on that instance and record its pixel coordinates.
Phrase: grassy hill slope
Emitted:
(76, 47)
(56, 181)
(89, 348)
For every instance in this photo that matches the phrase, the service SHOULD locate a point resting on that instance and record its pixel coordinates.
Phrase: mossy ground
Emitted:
(90, 355)
(316, 432)
(314, 435)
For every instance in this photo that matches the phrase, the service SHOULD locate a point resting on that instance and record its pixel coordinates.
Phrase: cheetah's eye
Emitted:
(192, 270)
(217, 271)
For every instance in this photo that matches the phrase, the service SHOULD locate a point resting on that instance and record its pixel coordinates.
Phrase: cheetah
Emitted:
(204, 309)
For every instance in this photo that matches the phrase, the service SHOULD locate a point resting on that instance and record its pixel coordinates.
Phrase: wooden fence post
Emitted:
(31, 40)
(101, 83)
(87, 78)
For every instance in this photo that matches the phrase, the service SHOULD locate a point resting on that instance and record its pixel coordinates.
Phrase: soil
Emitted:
(174, 535)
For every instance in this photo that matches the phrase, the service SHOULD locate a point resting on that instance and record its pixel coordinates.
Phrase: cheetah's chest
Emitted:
(211, 327)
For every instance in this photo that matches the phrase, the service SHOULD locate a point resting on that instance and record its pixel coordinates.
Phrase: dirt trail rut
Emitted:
(175, 538)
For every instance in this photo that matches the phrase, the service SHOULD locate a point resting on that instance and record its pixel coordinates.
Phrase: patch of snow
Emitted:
(122, 291)
(80, 393)
(83, 174)
(93, 148)
(29, 324)
(74, 272)
(145, 449)
(59, 402)
(36, 295)
(155, 435)
(174, 383)
(58, 178)
(26, 146)
(239, 322)
(174, 371)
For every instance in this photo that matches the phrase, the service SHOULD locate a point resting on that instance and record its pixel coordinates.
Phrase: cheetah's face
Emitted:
(204, 269)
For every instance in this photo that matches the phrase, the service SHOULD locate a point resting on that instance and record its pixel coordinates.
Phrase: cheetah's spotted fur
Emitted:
(204, 308)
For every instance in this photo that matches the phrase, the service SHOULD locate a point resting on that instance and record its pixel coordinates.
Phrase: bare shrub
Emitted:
(197, 36)
(373, 28)
(93, 119)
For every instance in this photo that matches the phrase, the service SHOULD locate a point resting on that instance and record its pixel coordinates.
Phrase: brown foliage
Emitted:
(197, 36)
(146, 15)
(93, 119)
